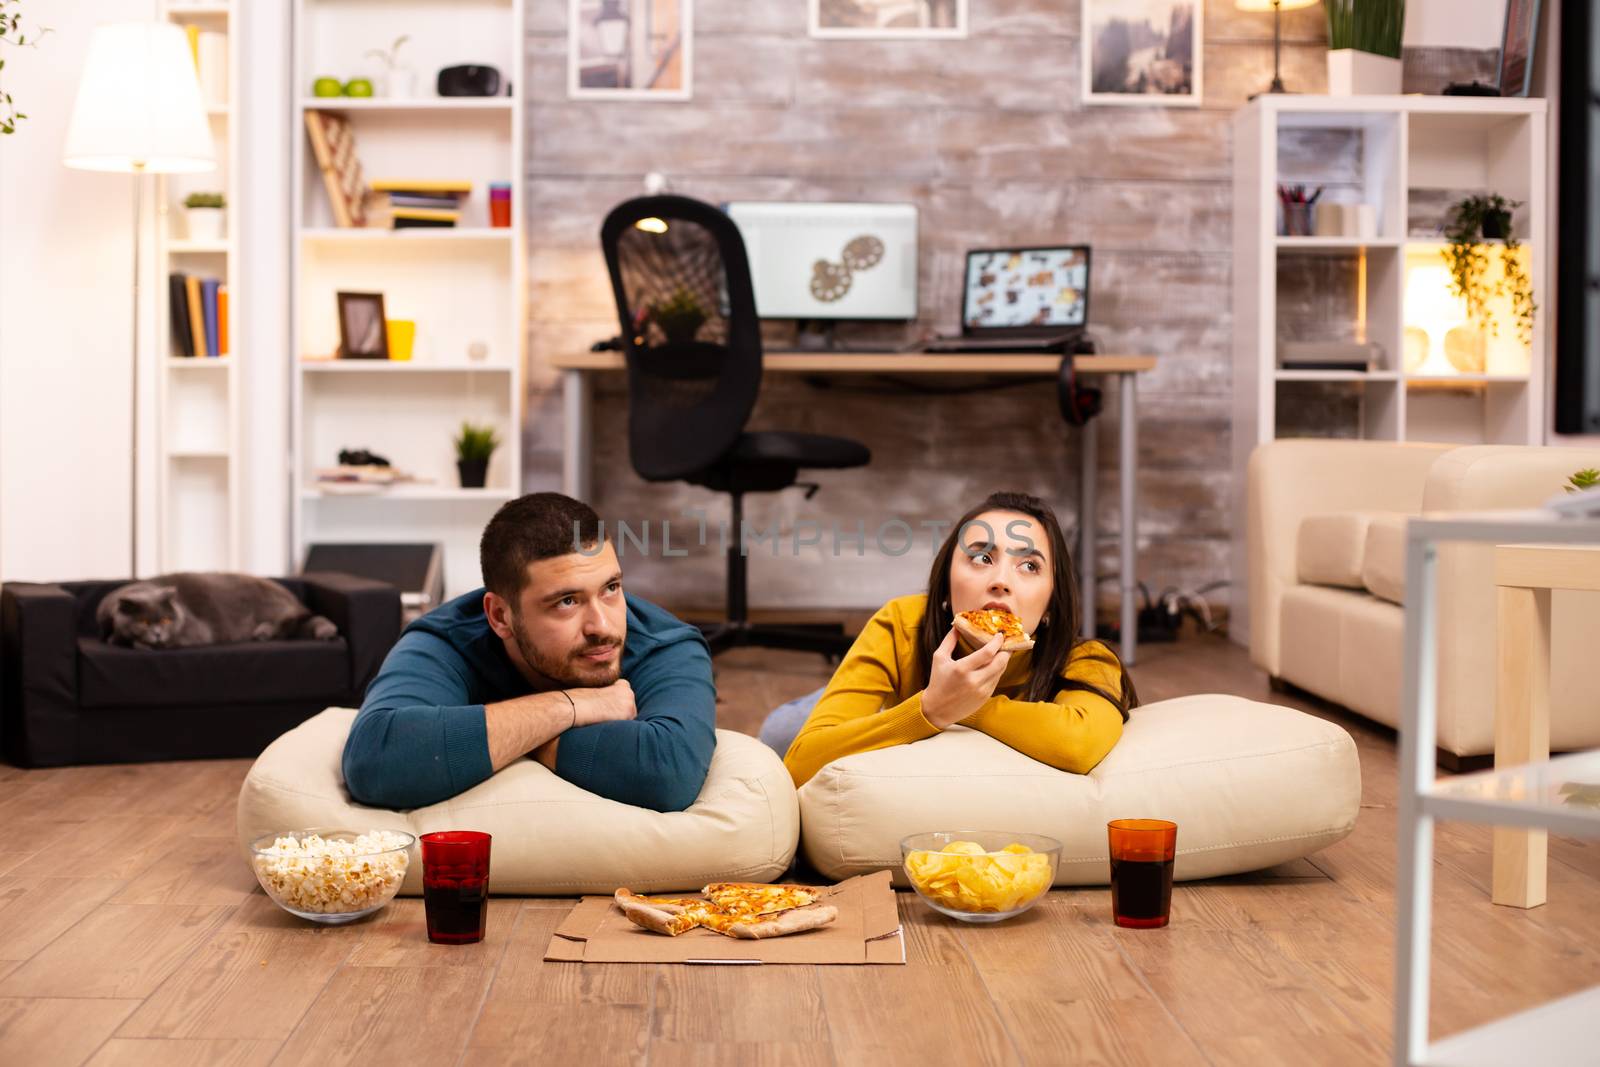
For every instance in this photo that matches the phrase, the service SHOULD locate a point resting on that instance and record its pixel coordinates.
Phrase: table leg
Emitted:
(1087, 437)
(1521, 735)
(576, 459)
(1128, 532)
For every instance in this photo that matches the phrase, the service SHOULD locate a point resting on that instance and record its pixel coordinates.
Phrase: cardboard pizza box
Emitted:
(866, 931)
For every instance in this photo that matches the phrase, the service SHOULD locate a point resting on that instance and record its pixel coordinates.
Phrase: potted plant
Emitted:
(680, 316)
(1364, 46)
(474, 446)
(1582, 481)
(398, 82)
(1471, 222)
(203, 211)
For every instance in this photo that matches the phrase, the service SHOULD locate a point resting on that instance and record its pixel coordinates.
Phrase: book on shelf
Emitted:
(422, 186)
(198, 313)
(178, 299)
(208, 300)
(444, 203)
(407, 218)
(222, 320)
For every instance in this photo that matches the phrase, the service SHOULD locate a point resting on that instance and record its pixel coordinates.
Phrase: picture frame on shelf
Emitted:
(888, 18)
(363, 333)
(1143, 52)
(630, 49)
(1517, 40)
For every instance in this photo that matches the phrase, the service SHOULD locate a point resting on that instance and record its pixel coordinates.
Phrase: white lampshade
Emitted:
(1268, 5)
(138, 105)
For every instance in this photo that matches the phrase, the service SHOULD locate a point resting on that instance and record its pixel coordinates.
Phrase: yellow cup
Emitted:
(402, 336)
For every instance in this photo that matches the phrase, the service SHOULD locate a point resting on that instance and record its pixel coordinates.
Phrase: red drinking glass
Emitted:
(1142, 851)
(455, 885)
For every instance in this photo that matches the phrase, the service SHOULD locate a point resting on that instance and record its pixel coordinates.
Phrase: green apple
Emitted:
(326, 87)
(358, 87)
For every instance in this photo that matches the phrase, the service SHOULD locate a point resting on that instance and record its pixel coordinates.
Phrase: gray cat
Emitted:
(188, 610)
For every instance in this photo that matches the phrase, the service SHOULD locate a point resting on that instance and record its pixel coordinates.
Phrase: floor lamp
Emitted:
(138, 112)
(1277, 7)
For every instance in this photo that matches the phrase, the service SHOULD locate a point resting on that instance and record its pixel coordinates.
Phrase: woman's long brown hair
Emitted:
(1054, 642)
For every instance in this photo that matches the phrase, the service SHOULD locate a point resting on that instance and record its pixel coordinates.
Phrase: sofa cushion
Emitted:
(550, 837)
(1328, 548)
(1383, 561)
(1249, 785)
(259, 672)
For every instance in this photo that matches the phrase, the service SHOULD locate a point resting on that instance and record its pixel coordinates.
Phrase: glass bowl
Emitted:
(981, 882)
(332, 876)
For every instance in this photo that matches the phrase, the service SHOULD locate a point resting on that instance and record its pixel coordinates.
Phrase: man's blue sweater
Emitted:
(420, 737)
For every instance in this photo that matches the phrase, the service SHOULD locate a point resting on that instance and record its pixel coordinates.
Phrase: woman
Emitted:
(906, 678)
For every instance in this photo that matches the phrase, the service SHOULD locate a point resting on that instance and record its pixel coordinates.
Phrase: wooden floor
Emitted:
(131, 931)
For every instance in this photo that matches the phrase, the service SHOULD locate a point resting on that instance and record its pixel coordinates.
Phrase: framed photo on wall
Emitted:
(1143, 51)
(363, 332)
(630, 49)
(1517, 46)
(888, 18)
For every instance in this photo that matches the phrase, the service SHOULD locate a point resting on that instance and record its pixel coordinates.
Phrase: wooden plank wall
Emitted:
(987, 136)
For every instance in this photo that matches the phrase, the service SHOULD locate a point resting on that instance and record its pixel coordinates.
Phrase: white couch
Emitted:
(1325, 542)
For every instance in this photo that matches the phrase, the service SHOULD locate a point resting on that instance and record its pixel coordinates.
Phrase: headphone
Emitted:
(1079, 403)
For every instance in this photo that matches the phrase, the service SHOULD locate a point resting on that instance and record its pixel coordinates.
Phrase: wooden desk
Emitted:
(577, 452)
(1525, 576)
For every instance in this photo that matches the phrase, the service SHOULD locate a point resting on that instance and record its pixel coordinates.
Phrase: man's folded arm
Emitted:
(417, 739)
(659, 759)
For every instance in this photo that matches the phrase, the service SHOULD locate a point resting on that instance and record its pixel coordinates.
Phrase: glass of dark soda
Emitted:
(1141, 871)
(455, 885)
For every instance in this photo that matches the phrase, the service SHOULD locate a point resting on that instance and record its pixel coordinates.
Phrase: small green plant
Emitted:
(13, 33)
(1470, 221)
(390, 58)
(476, 442)
(204, 200)
(1583, 480)
(1374, 26)
(680, 316)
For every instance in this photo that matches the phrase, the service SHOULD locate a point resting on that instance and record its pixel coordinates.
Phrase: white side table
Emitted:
(1525, 576)
(1535, 796)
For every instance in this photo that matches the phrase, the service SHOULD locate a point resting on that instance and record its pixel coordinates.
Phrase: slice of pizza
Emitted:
(755, 898)
(978, 627)
(678, 915)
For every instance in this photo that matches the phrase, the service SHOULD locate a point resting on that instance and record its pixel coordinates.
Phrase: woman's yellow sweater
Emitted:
(875, 701)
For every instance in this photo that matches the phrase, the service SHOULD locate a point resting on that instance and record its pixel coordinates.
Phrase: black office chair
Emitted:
(693, 348)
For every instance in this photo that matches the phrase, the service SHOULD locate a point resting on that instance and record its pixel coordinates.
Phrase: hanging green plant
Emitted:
(1471, 222)
(12, 32)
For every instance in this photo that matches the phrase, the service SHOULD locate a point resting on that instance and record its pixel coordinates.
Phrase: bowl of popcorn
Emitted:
(980, 876)
(332, 876)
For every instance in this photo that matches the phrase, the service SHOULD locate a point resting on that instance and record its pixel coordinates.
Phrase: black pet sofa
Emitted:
(70, 698)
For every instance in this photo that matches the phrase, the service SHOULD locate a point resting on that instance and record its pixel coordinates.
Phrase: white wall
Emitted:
(65, 322)
(1454, 23)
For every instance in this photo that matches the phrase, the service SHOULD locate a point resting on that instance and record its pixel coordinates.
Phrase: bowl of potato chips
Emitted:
(980, 876)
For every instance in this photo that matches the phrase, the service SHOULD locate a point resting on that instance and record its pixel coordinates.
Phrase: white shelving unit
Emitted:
(1556, 1033)
(463, 286)
(1383, 151)
(198, 428)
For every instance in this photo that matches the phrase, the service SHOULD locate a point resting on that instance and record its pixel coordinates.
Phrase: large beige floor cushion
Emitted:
(550, 837)
(1250, 785)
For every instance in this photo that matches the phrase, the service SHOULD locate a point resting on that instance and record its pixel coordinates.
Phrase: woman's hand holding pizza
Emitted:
(958, 687)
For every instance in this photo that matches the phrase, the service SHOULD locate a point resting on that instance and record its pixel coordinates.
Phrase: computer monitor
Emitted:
(831, 261)
(1026, 289)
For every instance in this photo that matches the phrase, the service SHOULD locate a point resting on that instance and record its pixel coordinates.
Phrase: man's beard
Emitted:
(570, 669)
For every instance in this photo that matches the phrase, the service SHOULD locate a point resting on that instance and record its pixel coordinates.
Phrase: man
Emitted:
(550, 660)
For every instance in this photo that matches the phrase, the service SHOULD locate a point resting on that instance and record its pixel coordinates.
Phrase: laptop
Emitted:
(1022, 299)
